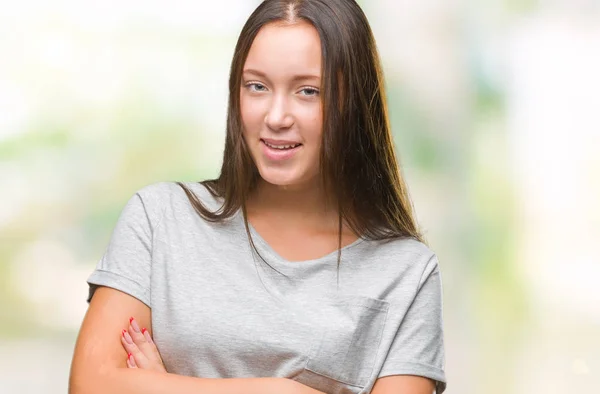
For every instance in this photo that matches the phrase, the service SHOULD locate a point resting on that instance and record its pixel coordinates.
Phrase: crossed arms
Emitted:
(99, 362)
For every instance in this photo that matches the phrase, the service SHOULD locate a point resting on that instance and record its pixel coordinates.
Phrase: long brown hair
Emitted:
(358, 165)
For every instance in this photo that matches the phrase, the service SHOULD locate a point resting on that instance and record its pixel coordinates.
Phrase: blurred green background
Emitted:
(496, 117)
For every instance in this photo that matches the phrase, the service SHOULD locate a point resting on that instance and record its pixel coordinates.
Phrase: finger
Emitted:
(135, 331)
(151, 342)
(130, 347)
(141, 340)
(131, 361)
(159, 364)
(147, 336)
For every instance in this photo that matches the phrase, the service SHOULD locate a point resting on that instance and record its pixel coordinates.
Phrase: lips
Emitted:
(279, 143)
(280, 151)
(281, 147)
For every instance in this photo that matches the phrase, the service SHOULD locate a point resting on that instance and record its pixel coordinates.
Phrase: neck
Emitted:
(306, 203)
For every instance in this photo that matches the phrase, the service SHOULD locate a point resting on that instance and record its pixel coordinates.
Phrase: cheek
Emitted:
(313, 125)
(251, 116)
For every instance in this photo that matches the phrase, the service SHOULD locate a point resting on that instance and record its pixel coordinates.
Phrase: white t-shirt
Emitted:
(220, 311)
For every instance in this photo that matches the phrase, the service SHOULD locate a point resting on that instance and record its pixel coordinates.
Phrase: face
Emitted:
(280, 103)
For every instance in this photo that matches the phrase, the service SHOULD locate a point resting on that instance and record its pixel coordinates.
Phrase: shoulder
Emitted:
(408, 250)
(401, 260)
(403, 246)
(169, 199)
(171, 192)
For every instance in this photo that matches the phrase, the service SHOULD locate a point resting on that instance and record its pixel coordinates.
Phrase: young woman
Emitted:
(299, 269)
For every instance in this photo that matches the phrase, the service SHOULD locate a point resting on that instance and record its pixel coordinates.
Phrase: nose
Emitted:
(278, 115)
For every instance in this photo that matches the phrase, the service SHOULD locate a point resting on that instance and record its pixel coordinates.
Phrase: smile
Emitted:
(281, 147)
(279, 153)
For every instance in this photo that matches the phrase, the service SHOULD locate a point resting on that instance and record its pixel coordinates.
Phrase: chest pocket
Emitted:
(343, 355)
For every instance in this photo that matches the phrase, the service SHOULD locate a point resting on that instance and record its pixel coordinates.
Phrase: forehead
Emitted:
(281, 50)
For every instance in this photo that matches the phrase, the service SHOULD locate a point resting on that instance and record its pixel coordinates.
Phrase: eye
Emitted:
(256, 87)
(310, 92)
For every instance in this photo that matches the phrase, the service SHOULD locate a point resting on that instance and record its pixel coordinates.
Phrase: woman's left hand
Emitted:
(141, 350)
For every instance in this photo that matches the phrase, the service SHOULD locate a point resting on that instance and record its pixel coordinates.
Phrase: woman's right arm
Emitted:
(98, 350)
(99, 361)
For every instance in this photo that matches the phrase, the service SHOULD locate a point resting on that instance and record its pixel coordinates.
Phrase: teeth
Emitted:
(280, 146)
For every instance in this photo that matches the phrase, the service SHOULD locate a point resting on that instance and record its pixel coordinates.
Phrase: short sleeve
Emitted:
(418, 347)
(127, 261)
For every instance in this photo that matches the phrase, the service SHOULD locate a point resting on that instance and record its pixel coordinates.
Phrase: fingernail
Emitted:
(144, 330)
(127, 337)
(147, 336)
(131, 361)
(134, 325)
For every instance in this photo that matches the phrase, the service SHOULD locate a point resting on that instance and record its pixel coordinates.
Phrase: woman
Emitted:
(299, 269)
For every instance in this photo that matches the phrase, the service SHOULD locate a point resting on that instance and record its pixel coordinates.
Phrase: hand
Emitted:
(141, 350)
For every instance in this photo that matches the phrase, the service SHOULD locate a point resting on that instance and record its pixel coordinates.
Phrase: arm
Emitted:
(134, 381)
(99, 364)
(415, 362)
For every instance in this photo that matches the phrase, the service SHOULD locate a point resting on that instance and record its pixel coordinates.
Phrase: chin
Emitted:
(284, 178)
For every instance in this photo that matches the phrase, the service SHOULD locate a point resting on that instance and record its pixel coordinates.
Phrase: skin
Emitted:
(142, 353)
(280, 100)
(100, 359)
(276, 104)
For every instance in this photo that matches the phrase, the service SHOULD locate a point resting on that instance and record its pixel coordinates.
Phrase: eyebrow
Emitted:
(301, 77)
